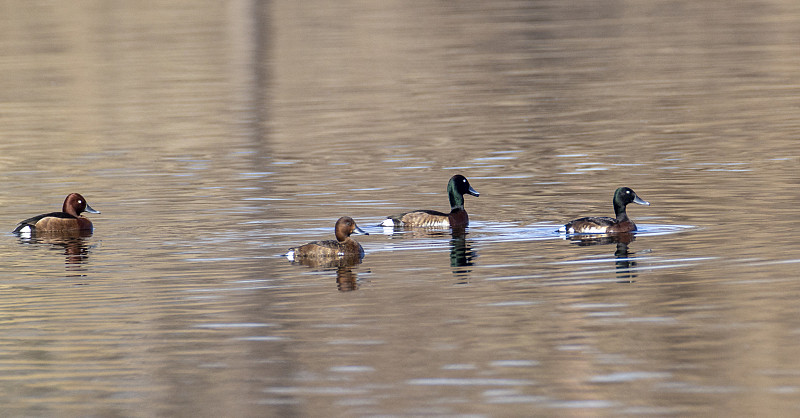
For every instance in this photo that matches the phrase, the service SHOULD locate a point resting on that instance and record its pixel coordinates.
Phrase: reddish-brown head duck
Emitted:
(343, 246)
(68, 220)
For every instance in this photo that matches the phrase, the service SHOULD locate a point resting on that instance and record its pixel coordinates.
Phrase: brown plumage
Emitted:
(606, 225)
(343, 246)
(432, 219)
(457, 187)
(68, 220)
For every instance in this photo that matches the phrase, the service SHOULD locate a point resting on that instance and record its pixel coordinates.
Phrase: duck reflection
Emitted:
(462, 255)
(625, 263)
(74, 243)
(346, 277)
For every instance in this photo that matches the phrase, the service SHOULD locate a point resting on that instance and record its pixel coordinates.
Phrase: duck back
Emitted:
(328, 249)
(54, 222)
(422, 218)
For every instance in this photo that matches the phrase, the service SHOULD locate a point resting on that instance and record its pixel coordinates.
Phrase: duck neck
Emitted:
(619, 210)
(456, 198)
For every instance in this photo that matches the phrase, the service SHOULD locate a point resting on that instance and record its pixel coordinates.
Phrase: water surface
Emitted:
(214, 137)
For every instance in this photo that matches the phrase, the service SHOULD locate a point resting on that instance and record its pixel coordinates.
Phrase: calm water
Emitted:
(214, 137)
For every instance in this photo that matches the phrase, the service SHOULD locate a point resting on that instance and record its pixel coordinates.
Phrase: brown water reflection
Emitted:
(217, 135)
(345, 268)
(625, 260)
(75, 247)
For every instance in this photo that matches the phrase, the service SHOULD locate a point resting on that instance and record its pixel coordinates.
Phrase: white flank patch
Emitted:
(592, 230)
(290, 255)
(439, 224)
(387, 222)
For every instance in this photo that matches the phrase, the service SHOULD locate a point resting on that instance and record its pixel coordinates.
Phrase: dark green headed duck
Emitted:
(457, 187)
(606, 225)
(343, 246)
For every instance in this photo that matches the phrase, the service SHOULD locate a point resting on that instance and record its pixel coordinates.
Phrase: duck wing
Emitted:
(590, 225)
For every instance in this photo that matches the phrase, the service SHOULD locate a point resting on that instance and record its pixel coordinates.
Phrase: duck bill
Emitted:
(473, 192)
(359, 231)
(640, 201)
(90, 210)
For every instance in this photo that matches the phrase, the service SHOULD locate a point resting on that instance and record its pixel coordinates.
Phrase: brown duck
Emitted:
(606, 225)
(457, 187)
(68, 220)
(343, 246)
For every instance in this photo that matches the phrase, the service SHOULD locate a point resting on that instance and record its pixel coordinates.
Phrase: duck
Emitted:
(343, 246)
(68, 220)
(457, 187)
(607, 225)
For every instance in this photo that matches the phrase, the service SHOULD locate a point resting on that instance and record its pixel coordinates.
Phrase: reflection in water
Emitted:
(461, 254)
(346, 277)
(211, 127)
(625, 263)
(400, 232)
(74, 244)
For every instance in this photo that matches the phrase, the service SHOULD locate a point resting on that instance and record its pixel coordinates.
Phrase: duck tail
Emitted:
(390, 222)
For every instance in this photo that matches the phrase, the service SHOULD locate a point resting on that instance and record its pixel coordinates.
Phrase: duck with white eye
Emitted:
(607, 225)
(67, 221)
(457, 187)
